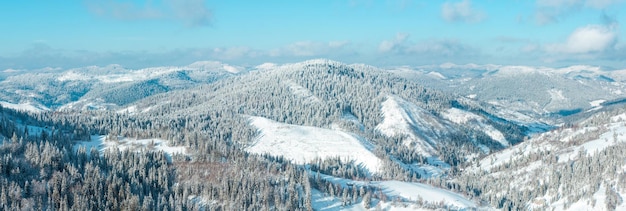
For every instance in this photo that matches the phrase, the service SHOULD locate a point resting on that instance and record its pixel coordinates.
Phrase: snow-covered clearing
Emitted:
(28, 107)
(303, 144)
(303, 93)
(616, 133)
(102, 143)
(408, 192)
(413, 191)
(88, 104)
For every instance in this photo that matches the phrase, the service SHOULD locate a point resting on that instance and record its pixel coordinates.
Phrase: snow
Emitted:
(117, 73)
(102, 143)
(129, 110)
(266, 66)
(303, 93)
(303, 144)
(28, 107)
(596, 103)
(401, 117)
(231, 69)
(413, 191)
(464, 117)
(616, 133)
(88, 104)
(321, 201)
(10, 70)
(609, 134)
(436, 75)
(73, 76)
(556, 96)
(408, 192)
(583, 204)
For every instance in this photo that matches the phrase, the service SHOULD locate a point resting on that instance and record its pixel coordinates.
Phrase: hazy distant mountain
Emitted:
(102, 87)
(535, 91)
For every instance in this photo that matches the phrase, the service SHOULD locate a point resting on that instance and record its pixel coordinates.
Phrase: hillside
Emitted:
(332, 95)
(585, 162)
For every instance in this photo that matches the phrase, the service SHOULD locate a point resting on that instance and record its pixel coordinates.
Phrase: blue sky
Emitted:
(135, 34)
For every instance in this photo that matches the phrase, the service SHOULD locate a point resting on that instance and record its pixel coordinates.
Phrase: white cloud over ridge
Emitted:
(394, 44)
(461, 12)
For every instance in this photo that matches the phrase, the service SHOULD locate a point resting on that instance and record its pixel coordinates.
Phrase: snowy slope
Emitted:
(591, 139)
(88, 104)
(464, 117)
(103, 143)
(29, 107)
(401, 118)
(584, 149)
(414, 191)
(302, 144)
(303, 93)
(409, 193)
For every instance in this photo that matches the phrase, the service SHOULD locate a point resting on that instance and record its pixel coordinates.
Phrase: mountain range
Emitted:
(329, 135)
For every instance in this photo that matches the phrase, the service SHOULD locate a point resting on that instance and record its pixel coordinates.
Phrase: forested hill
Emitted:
(366, 101)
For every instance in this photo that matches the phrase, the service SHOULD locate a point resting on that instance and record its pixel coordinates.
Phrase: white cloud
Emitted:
(461, 12)
(588, 39)
(389, 45)
(192, 13)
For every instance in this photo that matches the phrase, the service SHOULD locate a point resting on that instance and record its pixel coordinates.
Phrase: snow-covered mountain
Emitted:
(458, 137)
(540, 92)
(107, 87)
(578, 167)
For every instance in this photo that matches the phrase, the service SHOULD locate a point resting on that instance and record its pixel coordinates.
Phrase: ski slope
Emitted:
(303, 144)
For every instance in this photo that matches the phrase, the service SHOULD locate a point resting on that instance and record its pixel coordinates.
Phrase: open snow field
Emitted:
(303, 144)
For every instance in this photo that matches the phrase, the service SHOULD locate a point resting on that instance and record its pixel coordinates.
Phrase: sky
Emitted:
(143, 33)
